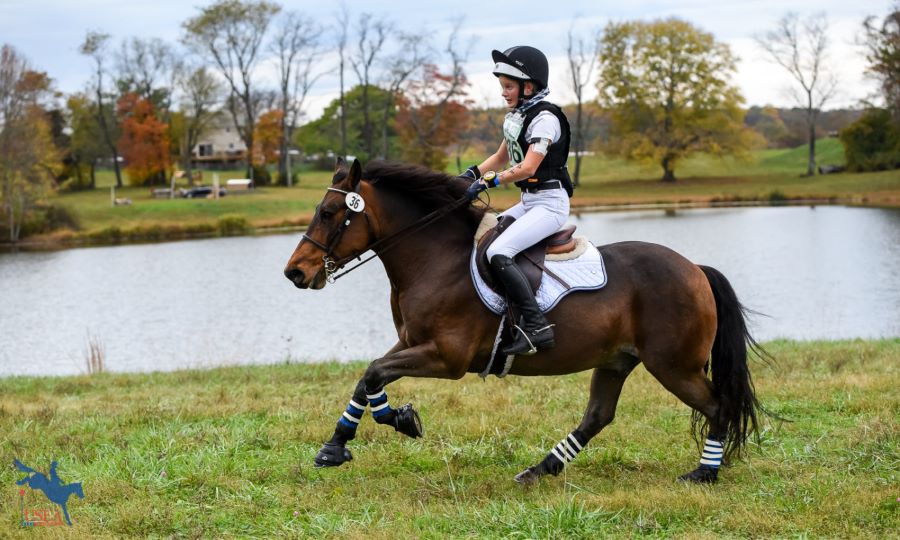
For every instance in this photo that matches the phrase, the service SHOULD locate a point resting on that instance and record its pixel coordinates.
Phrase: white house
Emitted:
(220, 144)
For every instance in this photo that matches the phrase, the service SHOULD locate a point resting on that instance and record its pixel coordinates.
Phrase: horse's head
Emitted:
(339, 231)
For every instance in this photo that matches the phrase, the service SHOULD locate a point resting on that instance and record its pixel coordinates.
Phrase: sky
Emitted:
(49, 32)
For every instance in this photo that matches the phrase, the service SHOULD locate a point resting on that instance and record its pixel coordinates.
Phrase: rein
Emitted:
(332, 267)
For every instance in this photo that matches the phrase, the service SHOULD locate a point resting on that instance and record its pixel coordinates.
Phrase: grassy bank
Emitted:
(227, 452)
(768, 176)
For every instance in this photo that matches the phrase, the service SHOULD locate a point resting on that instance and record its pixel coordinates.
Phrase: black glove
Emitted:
(472, 173)
(477, 187)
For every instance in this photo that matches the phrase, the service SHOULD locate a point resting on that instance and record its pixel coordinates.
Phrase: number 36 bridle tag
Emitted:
(355, 202)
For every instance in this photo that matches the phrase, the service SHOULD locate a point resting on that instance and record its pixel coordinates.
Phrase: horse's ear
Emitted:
(354, 175)
(339, 164)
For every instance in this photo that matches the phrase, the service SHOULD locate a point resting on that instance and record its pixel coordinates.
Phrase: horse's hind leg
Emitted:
(695, 390)
(606, 386)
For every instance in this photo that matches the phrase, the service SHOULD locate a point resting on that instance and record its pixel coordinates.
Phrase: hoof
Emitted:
(700, 475)
(527, 477)
(407, 421)
(332, 455)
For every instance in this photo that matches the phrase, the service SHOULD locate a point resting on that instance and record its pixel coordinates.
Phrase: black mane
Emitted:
(432, 189)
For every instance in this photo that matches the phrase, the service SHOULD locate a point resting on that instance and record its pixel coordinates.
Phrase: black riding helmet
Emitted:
(522, 63)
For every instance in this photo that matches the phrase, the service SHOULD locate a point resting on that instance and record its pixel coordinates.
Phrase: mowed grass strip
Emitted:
(228, 453)
(265, 205)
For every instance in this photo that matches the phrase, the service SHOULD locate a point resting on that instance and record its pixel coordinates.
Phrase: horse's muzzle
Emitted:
(295, 275)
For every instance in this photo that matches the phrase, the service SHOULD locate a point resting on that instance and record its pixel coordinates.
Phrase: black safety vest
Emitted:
(553, 166)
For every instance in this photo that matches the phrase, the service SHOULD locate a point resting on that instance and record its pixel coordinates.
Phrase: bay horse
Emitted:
(679, 319)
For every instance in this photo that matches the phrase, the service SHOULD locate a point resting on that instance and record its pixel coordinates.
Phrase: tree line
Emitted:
(664, 91)
(148, 102)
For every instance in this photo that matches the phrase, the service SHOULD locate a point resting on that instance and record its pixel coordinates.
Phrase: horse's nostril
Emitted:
(294, 274)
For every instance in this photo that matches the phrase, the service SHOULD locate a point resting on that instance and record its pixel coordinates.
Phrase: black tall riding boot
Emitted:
(534, 332)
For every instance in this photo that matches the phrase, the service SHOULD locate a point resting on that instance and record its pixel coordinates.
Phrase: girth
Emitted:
(531, 260)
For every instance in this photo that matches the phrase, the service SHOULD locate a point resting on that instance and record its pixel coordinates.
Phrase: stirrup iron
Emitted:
(532, 348)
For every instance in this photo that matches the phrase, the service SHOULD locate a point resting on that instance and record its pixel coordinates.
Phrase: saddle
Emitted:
(531, 261)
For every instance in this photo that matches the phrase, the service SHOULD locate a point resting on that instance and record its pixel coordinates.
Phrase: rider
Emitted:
(536, 146)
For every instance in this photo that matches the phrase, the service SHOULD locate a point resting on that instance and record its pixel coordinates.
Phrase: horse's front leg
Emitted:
(419, 361)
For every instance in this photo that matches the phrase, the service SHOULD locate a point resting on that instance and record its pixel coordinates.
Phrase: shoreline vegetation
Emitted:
(768, 177)
(231, 225)
(228, 452)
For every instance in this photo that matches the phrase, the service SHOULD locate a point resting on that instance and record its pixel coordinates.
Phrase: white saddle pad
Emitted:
(582, 273)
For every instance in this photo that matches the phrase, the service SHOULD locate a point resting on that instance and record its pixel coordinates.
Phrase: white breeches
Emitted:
(538, 216)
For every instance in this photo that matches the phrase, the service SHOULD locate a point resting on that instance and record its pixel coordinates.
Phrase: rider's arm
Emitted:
(526, 169)
(496, 160)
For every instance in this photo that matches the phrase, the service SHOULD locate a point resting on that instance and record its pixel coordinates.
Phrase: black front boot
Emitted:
(533, 332)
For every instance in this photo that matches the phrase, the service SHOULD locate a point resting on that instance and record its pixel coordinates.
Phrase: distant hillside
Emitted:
(829, 151)
(781, 128)
(786, 128)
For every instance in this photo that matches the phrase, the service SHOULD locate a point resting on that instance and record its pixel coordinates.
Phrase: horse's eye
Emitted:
(326, 214)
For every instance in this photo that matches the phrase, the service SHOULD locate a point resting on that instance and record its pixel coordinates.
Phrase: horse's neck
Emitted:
(440, 249)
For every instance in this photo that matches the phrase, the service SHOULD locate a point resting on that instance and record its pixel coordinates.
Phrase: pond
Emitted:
(823, 272)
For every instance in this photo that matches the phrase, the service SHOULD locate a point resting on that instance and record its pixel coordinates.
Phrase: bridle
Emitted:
(332, 266)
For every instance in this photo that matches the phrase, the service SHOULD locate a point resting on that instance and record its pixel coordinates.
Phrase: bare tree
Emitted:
(372, 32)
(342, 20)
(411, 55)
(295, 46)
(801, 49)
(454, 86)
(583, 55)
(231, 33)
(264, 100)
(435, 106)
(151, 68)
(201, 93)
(94, 45)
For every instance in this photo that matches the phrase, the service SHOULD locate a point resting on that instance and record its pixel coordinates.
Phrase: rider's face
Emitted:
(509, 89)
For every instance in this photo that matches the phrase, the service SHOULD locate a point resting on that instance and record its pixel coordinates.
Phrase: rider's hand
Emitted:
(477, 187)
(472, 173)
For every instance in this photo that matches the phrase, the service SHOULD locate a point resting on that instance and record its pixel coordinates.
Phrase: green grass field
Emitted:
(228, 453)
(769, 175)
(601, 169)
(768, 162)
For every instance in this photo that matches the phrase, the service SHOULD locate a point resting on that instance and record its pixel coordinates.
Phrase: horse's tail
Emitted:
(732, 384)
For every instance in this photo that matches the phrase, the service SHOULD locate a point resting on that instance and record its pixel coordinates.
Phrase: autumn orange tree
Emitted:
(433, 112)
(144, 141)
(267, 138)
